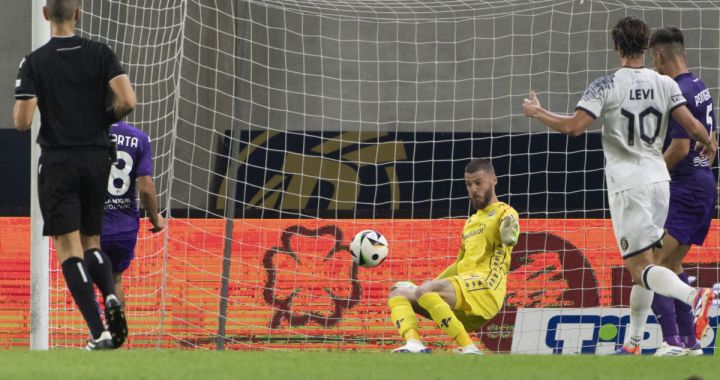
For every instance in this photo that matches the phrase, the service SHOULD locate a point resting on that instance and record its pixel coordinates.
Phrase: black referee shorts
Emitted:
(72, 185)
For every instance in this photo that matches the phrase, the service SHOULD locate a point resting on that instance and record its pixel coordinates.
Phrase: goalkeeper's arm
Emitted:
(509, 230)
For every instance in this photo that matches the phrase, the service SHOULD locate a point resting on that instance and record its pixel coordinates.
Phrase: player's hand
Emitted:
(158, 223)
(531, 106)
(707, 151)
(509, 230)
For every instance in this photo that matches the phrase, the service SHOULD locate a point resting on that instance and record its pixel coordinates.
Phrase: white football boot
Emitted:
(668, 350)
(412, 347)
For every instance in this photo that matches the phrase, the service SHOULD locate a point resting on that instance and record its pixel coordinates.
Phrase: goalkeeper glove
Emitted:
(509, 230)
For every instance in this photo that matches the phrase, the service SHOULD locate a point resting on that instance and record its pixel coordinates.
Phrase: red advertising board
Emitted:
(292, 283)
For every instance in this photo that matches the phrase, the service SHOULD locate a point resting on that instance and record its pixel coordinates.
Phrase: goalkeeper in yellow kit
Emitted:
(471, 291)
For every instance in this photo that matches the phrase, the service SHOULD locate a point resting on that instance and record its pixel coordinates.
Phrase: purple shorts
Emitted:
(120, 250)
(689, 216)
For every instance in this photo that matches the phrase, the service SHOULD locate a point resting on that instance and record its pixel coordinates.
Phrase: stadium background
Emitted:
(425, 94)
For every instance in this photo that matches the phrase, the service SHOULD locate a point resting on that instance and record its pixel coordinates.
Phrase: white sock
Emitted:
(640, 301)
(665, 282)
(111, 297)
(105, 335)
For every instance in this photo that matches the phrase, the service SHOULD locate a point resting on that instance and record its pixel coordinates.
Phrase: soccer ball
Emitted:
(369, 248)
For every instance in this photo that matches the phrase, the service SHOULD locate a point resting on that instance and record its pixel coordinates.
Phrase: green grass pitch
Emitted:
(209, 365)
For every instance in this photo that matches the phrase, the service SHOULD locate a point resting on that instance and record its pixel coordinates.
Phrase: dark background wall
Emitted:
(15, 30)
(14, 173)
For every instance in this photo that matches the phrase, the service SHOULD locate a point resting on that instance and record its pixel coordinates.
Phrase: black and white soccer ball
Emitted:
(369, 248)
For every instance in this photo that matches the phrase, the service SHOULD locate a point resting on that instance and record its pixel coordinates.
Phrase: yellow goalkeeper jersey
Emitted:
(482, 251)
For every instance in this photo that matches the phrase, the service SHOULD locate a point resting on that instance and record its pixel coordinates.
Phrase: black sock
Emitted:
(81, 287)
(100, 269)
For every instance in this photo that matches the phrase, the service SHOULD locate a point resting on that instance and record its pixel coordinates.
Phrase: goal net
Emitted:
(282, 128)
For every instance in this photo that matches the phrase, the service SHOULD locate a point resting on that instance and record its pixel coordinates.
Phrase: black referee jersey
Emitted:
(69, 76)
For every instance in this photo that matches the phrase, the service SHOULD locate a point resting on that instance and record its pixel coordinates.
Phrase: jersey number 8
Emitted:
(119, 180)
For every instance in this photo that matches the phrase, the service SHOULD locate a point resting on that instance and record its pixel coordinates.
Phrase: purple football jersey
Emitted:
(692, 185)
(693, 172)
(134, 159)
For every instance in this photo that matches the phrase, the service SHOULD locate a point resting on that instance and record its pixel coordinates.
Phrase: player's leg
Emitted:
(640, 302)
(98, 264)
(472, 323)
(119, 292)
(691, 214)
(684, 318)
(686, 323)
(120, 249)
(102, 273)
(61, 210)
(642, 218)
(440, 298)
(669, 256)
(94, 186)
(403, 307)
(78, 280)
(665, 282)
(630, 211)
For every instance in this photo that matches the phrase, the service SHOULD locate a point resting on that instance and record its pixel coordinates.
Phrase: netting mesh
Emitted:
(281, 128)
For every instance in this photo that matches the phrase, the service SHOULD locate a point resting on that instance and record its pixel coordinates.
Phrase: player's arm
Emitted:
(695, 129)
(148, 197)
(572, 125)
(675, 152)
(699, 146)
(25, 97)
(124, 99)
(23, 112)
(711, 159)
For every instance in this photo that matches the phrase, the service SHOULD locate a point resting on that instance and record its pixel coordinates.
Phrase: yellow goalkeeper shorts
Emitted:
(476, 303)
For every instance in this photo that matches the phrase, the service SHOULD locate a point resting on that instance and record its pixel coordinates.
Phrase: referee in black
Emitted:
(71, 79)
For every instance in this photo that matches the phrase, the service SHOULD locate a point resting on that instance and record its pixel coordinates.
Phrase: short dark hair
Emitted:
(631, 36)
(62, 10)
(669, 38)
(477, 164)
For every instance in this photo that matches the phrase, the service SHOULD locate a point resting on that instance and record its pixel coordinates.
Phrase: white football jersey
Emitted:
(637, 106)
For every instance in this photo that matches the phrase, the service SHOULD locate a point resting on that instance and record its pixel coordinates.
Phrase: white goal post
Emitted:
(40, 246)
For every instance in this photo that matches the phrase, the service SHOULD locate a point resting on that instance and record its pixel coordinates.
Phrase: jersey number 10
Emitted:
(648, 112)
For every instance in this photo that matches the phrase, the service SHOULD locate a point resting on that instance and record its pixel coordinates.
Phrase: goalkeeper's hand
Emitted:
(403, 284)
(509, 230)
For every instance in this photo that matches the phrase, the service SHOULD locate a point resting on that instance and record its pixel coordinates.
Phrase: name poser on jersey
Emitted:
(702, 97)
(642, 94)
(129, 141)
